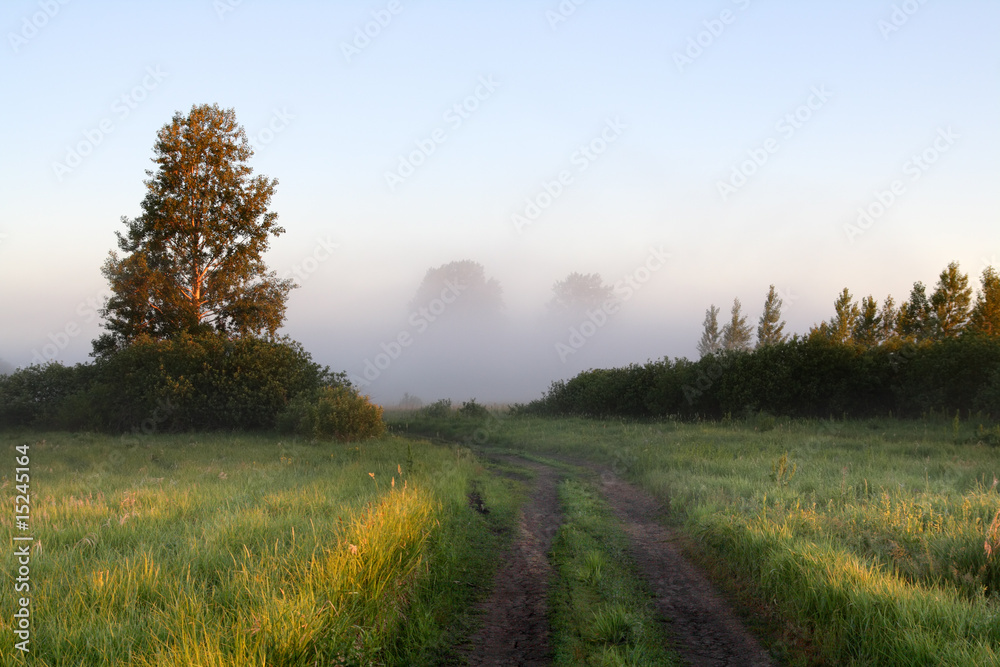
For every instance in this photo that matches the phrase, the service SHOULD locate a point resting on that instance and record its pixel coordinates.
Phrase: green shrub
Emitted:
(299, 416)
(803, 377)
(204, 382)
(473, 410)
(32, 396)
(440, 409)
(344, 414)
(335, 412)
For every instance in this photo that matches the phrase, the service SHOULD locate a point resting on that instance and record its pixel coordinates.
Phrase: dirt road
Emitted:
(704, 629)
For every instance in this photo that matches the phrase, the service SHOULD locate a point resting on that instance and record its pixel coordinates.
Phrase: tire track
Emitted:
(515, 623)
(704, 628)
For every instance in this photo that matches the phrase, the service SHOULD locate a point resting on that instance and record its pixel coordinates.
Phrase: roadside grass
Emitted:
(249, 550)
(602, 613)
(910, 504)
(876, 539)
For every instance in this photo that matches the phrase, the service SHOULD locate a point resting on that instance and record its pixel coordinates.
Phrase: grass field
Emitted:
(864, 542)
(242, 550)
(872, 542)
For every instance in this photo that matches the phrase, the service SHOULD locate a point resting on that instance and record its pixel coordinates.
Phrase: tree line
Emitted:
(948, 312)
(937, 353)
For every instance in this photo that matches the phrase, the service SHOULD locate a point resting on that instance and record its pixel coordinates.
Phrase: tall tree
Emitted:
(888, 319)
(578, 293)
(770, 327)
(841, 327)
(950, 302)
(867, 330)
(193, 261)
(736, 335)
(985, 318)
(711, 341)
(915, 320)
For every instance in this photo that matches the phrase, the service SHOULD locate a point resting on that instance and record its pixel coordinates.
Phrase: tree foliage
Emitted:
(915, 318)
(985, 317)
(711, 338)
(736, 334)
(841, 327)
(950, 302)
(193, 258)
(770, 327)
(888, 320)
(867, 330)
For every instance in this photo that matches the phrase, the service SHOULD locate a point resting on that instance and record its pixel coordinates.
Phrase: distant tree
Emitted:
(736, 335)
(711, 341)
(409, 402)
(888, 319)
(770, 326)
(867, 330)
(463, 288)
(915, 320)
(985, 318)
(194, 256)
(579, 292)
(950, 302)
(841, 327)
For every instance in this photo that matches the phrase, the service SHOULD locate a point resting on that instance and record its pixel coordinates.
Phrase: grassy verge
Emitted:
(247, 550)
(601, 612)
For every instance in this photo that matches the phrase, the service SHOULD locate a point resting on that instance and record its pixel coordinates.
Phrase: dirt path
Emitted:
(705, 630)
(516, 627)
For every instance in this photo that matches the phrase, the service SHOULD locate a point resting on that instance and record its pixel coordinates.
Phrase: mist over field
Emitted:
(512, 355)
(743, 140)
(435, 347)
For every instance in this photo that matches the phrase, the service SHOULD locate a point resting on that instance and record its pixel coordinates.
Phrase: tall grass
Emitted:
(226, 550)
(873, 537)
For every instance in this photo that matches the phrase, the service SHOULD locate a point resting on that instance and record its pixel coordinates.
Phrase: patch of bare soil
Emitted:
(704, 628)
(515, 617)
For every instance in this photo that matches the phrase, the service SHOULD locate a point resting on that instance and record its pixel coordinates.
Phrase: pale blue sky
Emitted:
(344, 122)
